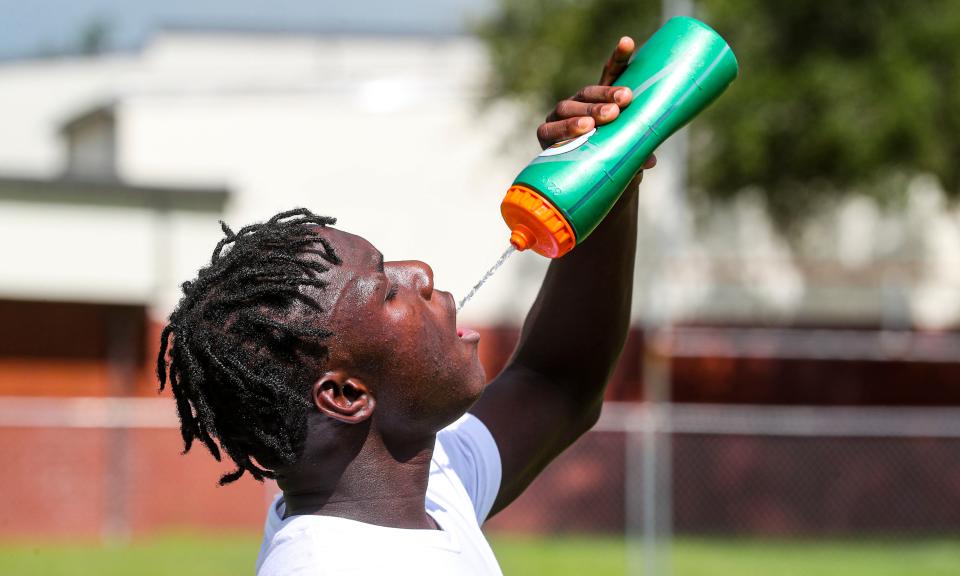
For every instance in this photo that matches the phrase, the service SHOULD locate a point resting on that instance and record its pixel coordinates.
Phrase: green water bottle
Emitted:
(566, 191)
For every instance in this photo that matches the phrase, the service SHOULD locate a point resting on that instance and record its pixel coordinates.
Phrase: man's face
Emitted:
(395, 332)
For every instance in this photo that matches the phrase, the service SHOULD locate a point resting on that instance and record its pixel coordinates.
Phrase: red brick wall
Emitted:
(758, 485)
(66, 482)
(767, 380)
(62, 481)
(63, 349)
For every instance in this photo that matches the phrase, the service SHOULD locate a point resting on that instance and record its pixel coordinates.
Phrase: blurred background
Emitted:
(787, 401)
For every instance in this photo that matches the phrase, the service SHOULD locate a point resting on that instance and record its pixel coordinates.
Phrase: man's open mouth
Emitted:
(468, 335)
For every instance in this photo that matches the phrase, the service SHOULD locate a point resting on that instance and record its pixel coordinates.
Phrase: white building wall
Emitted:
(389, 135)
(92, 149)
(36, 97)
(385, 134)
(76, 253)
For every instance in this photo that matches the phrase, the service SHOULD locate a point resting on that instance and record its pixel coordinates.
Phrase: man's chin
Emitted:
(471, 389)
(476, 390)
(478, 378)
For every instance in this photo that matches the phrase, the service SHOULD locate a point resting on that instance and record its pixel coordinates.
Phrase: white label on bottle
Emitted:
(567, 145)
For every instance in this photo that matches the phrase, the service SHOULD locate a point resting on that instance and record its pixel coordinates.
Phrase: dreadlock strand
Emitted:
(188, 424)
(234, 361)
(162, 356)
(251, 294)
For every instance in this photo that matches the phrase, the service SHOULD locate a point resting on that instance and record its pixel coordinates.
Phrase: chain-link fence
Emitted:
(750, 473)
(663, 481)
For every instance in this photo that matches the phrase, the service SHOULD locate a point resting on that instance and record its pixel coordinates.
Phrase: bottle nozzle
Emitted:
(520, 239)
(535, 224)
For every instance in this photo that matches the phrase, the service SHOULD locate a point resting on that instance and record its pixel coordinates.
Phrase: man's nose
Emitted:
(417, 276)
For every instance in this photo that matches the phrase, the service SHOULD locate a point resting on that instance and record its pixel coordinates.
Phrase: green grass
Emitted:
(169, 555)
(189, 555)
(740, 557)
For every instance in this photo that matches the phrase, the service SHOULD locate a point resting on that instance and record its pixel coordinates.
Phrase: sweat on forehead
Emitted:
(352, 283)
(354, 251)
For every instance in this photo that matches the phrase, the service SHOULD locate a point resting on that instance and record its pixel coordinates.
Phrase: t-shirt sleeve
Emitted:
(473, 455)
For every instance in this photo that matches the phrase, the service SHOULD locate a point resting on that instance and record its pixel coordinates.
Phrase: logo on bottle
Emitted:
(565, 146)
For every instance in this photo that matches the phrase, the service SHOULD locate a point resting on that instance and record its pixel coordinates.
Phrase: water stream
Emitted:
(493, 270)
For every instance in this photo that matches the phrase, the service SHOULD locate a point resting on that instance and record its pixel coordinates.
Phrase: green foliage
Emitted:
(94, 38)
(832, 96)
(91, 39)
(545, 50)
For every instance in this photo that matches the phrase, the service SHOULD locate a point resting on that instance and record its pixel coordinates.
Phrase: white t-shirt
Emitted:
(464, 480)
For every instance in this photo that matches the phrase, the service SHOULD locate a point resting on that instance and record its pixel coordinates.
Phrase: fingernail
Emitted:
(621, 95)
(608, 110)
(583, 123)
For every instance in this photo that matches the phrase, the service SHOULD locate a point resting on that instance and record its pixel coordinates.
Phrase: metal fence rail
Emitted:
(809, 421)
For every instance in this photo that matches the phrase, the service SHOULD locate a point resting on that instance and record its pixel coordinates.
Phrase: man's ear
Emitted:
(342, 397)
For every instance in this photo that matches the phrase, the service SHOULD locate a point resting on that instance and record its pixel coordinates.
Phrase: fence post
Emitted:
(648, 458)
(657, 461)
(122, 338)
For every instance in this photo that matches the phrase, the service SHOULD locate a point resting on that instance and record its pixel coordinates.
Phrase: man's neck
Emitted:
(378, 486)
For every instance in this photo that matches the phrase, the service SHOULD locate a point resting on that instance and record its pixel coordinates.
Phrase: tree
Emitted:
(833, 97)
(94, 37)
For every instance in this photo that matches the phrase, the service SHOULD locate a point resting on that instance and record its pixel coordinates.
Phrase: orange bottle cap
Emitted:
(535, 223)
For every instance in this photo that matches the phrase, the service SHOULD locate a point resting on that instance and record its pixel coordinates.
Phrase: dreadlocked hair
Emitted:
(241, 340)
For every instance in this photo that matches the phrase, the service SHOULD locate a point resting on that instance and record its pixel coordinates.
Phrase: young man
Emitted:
(306, 358)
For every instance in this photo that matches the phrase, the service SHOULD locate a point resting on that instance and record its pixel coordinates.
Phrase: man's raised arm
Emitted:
(551, 391)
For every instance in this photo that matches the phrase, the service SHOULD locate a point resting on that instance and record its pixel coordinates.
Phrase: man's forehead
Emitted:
(352, 282)
(353, 250)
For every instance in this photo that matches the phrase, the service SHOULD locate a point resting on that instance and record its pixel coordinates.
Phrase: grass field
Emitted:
(190, 555)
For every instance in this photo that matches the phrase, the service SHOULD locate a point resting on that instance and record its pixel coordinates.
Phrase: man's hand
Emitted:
(593, 106)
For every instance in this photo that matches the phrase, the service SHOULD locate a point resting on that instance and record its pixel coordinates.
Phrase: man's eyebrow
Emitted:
(379, 261)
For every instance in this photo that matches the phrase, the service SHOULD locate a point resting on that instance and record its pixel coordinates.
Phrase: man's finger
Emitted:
(602, 113)
(549, 133)
(638, 177)
(620, 95)
(618, 61)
